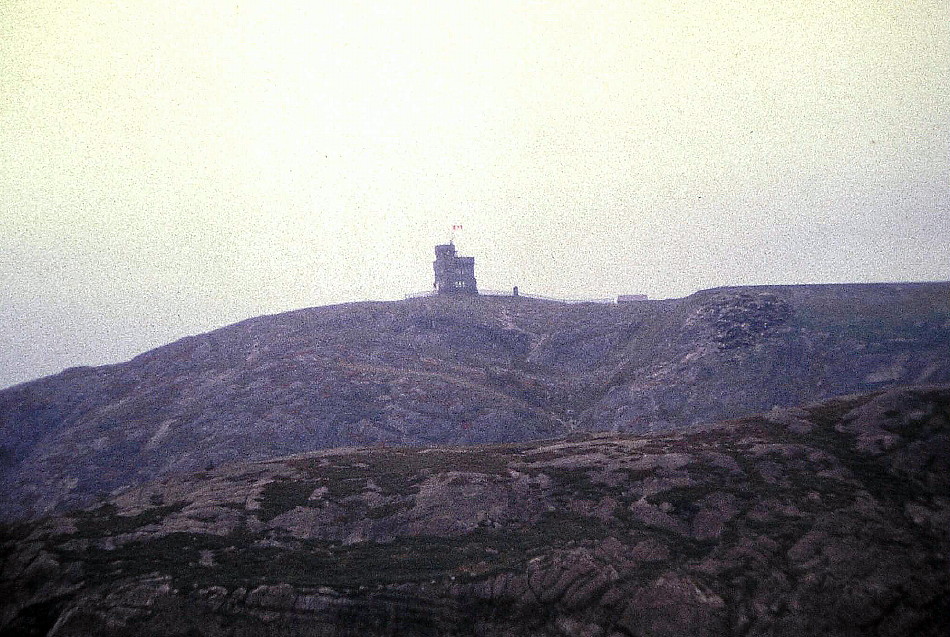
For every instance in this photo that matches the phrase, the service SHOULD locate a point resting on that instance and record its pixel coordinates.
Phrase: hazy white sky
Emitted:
(171, 167)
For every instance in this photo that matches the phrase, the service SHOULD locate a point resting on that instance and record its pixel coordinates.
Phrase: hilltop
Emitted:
(830, 519)
(459, 371)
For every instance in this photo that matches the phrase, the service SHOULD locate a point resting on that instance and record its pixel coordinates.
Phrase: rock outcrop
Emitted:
(829, 519)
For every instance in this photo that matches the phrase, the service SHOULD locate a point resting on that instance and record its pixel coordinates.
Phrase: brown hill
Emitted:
(457, 371)
(831, 519)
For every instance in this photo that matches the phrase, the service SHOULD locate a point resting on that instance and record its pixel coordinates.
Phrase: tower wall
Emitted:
(453, 274)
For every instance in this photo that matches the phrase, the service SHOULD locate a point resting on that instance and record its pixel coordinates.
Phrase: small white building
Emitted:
(631, 298)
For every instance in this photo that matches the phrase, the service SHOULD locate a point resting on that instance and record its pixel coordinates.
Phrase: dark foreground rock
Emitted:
(459, 372)
(831, 519)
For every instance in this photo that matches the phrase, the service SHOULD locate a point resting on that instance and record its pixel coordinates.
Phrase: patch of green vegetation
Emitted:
(13, 532)
(568, 483)
(683, 498)
(386, 510)
(511, 448)
(283, 495)
(105, 520)
(35, 619)
(241, 560)
(344, 481)
(398, 471)
(754, 483)
(871, 471)
(830, 412)
(780, 528)
(176, 554)
(681, 547)
(636, 475)
(833, 494)
(560, 527)
(548, 456)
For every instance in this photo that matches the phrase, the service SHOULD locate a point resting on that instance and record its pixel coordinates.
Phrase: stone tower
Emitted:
(453, 274)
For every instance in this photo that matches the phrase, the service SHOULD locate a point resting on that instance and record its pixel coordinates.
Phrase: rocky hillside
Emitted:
(831, 519)
(457, 371)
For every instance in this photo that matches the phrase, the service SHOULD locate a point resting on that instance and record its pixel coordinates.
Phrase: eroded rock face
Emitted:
(828, 519)
(734, 351)
(738, 319)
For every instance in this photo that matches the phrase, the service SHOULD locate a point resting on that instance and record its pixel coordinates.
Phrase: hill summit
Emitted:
(459, 370)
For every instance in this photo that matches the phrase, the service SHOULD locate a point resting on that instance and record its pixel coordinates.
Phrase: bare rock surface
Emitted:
(833, 521)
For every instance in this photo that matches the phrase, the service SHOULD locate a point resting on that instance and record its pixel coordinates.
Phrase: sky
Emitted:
(172, 167)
